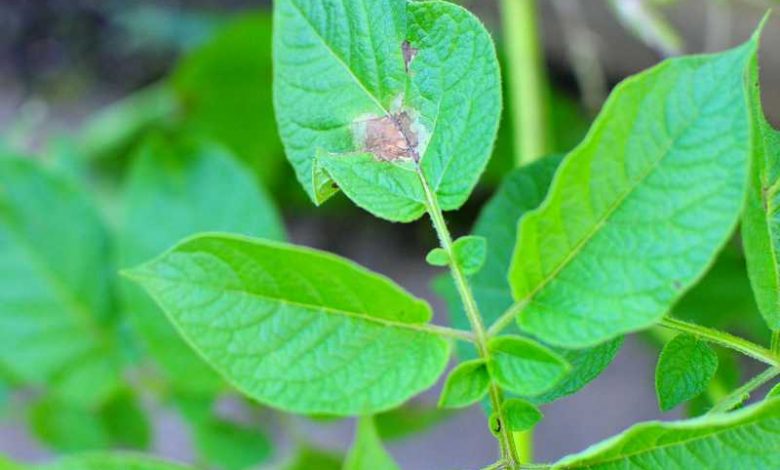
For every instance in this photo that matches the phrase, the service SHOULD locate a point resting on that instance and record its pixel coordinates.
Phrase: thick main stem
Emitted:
(508, 450)
(526, 78)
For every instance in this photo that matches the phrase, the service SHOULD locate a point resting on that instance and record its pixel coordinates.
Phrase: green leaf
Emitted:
(308, 458)
(521, 191)
(89, 382)
(411, 418)
(125, 421)
(295, 328)
(586, 364)
(66, 428)
(761, 219)
(523, 366)
(423, 64)
(367, 451)
(437, 257)
(749, 438)
(111, 461)
(466, 384)
(229, 446)
(178, 187)
(225, 90)
(685, 367)
(470, 252)
(54, 275)
(774, 392)
(520, 415)
(639, 210)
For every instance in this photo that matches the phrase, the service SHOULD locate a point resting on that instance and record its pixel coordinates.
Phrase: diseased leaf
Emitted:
(749, 438)
(470, 252)
(367, 451)
(54, 276)
(523, 366)
(761, 219)
(466, 384)
(638, 211)
(419, 65)
(685, 367)
(111, 461)
(178, 187)
(520, 414)
(295, 328)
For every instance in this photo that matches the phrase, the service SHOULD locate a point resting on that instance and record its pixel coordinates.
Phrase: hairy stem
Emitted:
(724, 339)
(741, 394)
(526, 78)
(508, 450)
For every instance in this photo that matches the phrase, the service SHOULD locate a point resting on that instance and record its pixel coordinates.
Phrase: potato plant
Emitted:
(397, 104)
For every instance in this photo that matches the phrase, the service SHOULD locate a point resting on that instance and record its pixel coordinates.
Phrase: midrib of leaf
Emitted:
(69, 299)
(600, 221)
(710, 435)
(418, 327)
(338, 58)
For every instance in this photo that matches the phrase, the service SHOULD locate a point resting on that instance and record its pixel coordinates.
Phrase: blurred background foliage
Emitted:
(144, 122)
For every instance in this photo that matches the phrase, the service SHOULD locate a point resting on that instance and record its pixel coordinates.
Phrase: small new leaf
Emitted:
(685, 367)
(466, 384)
(437, 257)
(470, 252)
(523, 366)
(520, 415)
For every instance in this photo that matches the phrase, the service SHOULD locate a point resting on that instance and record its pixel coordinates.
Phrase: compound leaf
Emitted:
(638, 211)
(685, 367)
(295, 328)
(749, 438)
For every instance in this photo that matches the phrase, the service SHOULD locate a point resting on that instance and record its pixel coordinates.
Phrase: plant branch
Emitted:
(775, 344)
(724, 339)
(506, 318)
(741, 394)
(454, 333)
(526, 78)
(508, 451)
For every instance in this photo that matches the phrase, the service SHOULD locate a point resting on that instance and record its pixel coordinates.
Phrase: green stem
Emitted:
(724, 339)
(526, 79)
(508, 450)
(775, 345)
(741, 394)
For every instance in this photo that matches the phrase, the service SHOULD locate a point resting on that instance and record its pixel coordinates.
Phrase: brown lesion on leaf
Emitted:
(409, 54)
(391, 137)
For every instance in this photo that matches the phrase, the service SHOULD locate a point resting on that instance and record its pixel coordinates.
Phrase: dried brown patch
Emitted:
(409, 54)
(391, 137)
